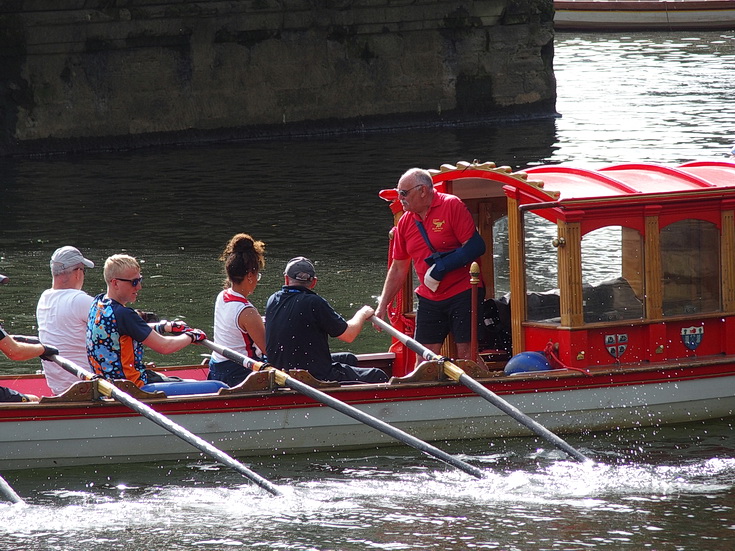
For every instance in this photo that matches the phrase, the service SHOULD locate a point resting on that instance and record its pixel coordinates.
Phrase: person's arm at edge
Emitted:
(20, 351)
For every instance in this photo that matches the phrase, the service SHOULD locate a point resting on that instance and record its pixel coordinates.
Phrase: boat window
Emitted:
(612, 274)
(501, 257)
(542, 285)
(690, 262)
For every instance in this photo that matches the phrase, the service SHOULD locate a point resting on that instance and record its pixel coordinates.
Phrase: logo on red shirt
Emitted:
(437, 225)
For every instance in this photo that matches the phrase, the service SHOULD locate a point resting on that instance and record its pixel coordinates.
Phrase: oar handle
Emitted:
(413, 344)
(242, 359)
(233, 355)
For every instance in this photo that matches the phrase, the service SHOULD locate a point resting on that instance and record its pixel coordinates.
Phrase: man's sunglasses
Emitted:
(134, 282)
(405, 192)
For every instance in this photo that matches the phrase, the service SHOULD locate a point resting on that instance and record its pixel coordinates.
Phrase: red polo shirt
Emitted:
(448, 224)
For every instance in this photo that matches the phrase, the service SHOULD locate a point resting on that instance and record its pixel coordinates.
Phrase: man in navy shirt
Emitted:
(298, 324)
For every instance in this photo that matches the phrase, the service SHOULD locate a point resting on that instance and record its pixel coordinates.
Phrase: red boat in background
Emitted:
(609, 303)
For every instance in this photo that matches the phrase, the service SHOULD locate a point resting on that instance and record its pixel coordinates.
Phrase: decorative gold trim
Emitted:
(491, 167)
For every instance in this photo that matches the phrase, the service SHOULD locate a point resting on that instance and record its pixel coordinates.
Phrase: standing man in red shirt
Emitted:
(436, 233)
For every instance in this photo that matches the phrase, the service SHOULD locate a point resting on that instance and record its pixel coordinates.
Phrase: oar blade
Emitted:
(161, 420)
(285, 379)
(455, 373)
(8, 493)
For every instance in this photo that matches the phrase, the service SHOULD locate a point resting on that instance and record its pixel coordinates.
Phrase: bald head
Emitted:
(417, 176)
(416, 191)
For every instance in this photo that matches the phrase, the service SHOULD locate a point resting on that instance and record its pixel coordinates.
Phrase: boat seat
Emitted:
(434, 371)
(83, 391)
(543, 306)
(610, 300)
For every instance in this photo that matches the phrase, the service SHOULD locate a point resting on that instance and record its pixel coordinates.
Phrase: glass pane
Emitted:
(612, 274)
(501, 257)
(690, 259)
(542, 284)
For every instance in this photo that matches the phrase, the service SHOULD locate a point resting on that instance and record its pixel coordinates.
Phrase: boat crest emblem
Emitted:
(616, 344)
(692, 336)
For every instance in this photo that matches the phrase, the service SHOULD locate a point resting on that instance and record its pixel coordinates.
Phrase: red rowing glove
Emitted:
(178, 327)
(196, 335)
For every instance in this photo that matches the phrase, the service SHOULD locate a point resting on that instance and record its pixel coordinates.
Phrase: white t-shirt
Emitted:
(62, 322)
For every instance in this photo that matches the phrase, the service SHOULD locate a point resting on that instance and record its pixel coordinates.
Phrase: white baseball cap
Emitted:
(67, 257)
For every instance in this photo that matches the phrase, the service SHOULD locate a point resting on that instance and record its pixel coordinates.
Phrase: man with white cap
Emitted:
(62, 314)
(298, 323)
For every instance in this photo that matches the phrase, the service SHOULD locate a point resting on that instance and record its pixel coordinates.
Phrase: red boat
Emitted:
(609, 303)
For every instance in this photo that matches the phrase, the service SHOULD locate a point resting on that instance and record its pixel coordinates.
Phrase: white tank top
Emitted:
(227, 331)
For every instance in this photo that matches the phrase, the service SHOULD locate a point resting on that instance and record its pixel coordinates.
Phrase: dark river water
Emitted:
(636, 97)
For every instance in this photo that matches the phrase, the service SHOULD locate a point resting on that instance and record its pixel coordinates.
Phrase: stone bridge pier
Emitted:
(88, 74)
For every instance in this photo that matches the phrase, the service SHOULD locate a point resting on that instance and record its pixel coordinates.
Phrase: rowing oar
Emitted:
(7, 491)
(284, 379)
(456, 374)
(108, 389)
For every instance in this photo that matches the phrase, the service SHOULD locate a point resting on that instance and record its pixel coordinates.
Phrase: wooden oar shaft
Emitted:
(284, 379)
(161, 420)
(456, 374)
(382, 426)
(521, 417)
(7, 491)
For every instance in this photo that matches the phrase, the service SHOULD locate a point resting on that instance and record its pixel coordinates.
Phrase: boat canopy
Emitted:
(558, 192)
(634, 181)
(570, 185)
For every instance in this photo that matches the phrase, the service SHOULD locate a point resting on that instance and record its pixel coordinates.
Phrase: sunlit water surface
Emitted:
(649, 489)
(638, 97)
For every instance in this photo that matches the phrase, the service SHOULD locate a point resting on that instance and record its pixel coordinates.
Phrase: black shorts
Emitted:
(435, 319)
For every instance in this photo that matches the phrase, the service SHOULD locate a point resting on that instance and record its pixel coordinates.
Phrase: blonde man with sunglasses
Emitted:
(116, 334)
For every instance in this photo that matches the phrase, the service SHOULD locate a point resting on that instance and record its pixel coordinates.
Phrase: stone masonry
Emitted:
(119, 73)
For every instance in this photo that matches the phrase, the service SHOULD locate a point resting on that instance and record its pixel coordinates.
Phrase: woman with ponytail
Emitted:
(237, 323)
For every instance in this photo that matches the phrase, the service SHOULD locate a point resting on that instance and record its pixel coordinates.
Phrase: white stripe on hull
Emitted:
(48, 443)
